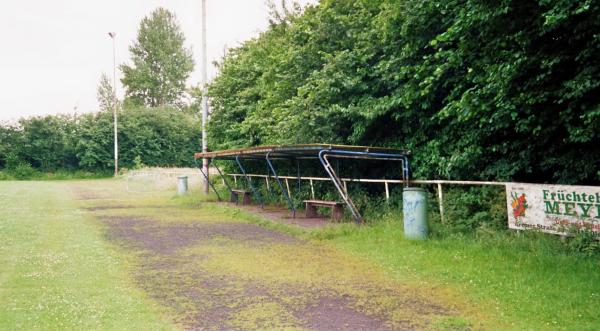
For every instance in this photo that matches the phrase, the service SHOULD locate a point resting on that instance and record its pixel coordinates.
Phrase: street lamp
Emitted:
(113, 36)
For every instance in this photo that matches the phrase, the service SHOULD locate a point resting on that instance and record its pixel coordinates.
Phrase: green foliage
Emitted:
(23, 171)
(161, 63)
(160, 137)
(470, 209)
(475, 89)
(137, 162)
(584, 241)
(46, 142)
(106, 94)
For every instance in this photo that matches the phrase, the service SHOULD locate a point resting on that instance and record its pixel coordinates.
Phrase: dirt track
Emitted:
(216, 273)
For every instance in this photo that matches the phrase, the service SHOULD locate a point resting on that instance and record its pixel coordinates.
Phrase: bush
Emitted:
(467, 209)
(4, 175)
(24, 171)
(584, 241)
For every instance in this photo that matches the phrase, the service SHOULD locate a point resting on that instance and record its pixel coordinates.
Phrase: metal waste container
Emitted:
(182, 185)
(414, 206)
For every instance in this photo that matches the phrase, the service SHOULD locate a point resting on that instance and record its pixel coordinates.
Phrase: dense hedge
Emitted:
(157, 137)
(476, 89)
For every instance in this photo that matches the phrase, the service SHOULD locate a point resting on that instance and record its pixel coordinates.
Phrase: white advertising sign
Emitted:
(553, 208)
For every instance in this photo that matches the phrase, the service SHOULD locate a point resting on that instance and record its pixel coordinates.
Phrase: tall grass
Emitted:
(521, 281)
(25, 174)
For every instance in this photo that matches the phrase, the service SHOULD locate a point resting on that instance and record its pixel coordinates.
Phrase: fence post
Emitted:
(387, 191)
(287, 185)
(441, 201)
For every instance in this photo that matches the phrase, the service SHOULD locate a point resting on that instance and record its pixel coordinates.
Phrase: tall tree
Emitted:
(161, 63)
(476, 89)
(106, 94)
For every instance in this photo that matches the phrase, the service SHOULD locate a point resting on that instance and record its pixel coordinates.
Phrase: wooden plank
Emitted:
(239, 191)
(287, 185)
(323, 202)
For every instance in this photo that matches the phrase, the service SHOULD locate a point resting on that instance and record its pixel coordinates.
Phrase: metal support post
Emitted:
(254, 191)
(285, 193)
(209, 183)
(299, 181)
(223, 179)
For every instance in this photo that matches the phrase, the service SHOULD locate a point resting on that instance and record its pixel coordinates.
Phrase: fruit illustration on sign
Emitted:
(519, 204)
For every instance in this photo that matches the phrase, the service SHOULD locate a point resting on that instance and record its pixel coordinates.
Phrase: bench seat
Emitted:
(337, 208)
(235, 196)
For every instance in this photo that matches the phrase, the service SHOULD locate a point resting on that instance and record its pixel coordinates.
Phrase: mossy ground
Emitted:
(90, 255)
(215, 268)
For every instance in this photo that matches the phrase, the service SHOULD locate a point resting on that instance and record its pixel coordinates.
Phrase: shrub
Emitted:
(24, 171)
(584, 241)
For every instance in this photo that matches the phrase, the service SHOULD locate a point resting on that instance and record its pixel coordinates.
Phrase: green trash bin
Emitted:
(414, 207)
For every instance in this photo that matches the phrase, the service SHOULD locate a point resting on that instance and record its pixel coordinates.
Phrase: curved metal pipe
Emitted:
(285, 193)
(254, 191)
(358, 155)
(206, 177)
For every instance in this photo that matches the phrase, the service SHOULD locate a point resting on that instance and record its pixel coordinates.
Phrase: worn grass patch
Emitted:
(218, 267)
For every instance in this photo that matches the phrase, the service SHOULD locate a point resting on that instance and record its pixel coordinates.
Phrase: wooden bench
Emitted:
(337, 208)
(235, 196)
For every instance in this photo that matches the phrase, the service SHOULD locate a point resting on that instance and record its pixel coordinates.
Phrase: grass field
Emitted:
(523, 282)
(89, 255)
(57, 272)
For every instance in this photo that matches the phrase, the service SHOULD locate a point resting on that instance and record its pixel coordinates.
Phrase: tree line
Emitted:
(475, 89)
(157, 126)
(152, 136)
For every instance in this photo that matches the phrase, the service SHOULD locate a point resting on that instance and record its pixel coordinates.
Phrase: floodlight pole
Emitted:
(204, 97)
(113, 35)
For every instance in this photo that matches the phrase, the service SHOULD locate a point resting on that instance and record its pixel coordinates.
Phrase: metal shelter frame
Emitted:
(321, 152)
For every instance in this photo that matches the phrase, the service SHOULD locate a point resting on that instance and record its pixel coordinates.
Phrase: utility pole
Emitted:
(204, 96)
(113, 36)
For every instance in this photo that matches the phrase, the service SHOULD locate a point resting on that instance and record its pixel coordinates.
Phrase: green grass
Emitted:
(8, 175)
(57, 272)
(515, 282)
(504, 280)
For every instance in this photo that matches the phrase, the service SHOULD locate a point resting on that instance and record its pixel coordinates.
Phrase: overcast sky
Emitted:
(53, 52)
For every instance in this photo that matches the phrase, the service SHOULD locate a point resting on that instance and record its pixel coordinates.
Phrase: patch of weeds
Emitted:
(584, 241)
(451, 323)
(264, 316)
(4, 175)
(332, 232)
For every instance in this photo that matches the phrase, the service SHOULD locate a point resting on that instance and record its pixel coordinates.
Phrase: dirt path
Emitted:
(214, 272)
